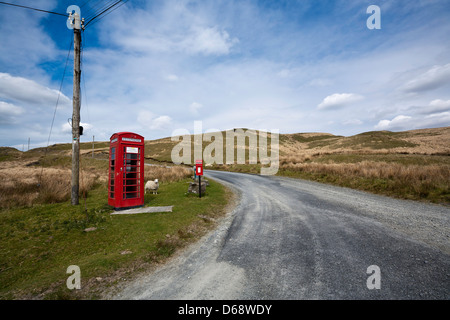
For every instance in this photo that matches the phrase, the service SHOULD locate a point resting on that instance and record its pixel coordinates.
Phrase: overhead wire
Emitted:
(93, 9)
(86, 2)
(98, 11)
(35, 9)
(56, 107)
(123, 2)
(83, 78)
(96, 8)
(105, 11)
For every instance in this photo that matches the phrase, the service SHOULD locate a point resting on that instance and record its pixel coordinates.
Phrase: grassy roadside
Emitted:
(39, 242)
(412, 164)
(404, 176)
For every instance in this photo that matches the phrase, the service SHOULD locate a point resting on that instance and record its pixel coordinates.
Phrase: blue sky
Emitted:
(152, 67)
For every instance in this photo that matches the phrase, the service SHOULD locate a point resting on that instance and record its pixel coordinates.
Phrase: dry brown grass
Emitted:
(25, 186)
(418, 181)
(422, 141)
(22, 185)
(166, 174)
(294, 159)
(377, 170)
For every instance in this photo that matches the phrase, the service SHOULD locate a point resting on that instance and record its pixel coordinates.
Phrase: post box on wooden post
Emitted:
(199, 173)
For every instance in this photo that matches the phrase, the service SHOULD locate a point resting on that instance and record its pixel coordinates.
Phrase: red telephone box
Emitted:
(126, 171)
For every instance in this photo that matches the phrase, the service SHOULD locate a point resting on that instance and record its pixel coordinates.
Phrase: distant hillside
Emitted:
(411, 164)
(423, 141)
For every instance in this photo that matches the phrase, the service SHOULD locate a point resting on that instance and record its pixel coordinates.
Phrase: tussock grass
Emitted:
(412, 164)
(166, 174)
(430, 182)
(24, 187)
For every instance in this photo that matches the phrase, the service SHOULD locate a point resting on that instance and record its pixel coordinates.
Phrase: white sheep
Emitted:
(152, 186)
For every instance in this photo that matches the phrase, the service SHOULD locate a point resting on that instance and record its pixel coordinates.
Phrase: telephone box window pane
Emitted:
(111, 195)
(131, 177)
(132, 156)
(131, 169)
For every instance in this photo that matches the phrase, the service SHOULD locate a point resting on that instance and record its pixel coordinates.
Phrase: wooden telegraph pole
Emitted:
(76, 111)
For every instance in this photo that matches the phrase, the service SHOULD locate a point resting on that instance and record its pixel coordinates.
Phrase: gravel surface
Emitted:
(296, 239)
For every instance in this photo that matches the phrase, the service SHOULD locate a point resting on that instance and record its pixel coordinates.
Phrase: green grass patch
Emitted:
(39, 243)
(8, 153)
(305, 139)
(375, 140)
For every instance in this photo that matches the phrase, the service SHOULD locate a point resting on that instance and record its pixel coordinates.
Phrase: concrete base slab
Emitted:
(144, 210)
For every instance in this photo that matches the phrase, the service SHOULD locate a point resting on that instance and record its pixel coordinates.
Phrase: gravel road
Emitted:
(296, 239)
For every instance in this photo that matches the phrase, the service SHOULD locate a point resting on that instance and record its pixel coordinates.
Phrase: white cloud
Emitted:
(435, 106)
(339, 100)
(161, 122)
(441, 116)
(285, 73)
(153, 122)
(354, 122)
(398, 122)
(402, 122)
(29, 92)
(194, 107)
(208, 41)
(236, 59)
(8, 112)
(176, 28)
(9, 109)
(435, 77)
(320, 82)
(171, 77)
(438, 105)
(25, 41)
(67, 128)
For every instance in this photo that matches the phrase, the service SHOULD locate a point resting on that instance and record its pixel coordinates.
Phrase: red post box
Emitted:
(126, 171)
(199, 167)
(199, 173)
